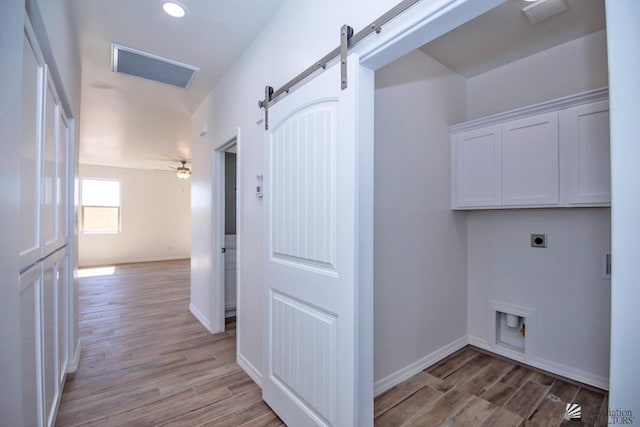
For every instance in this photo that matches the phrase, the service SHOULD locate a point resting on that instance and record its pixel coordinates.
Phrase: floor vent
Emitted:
(152, 67)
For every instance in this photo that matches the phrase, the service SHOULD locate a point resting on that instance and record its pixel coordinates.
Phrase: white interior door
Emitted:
(316, 342)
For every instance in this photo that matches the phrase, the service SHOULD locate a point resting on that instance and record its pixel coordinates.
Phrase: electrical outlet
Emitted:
(538, 240)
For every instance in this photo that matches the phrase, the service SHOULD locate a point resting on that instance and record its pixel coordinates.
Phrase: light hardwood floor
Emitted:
(472, 388)
(146, 361)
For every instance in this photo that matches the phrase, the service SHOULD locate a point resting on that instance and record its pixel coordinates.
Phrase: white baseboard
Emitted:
(201, 317)
(407, 372)
(132, 260)
(571, 373)
(251, 370)
(546, 365)
(73, 364)
(229, 312)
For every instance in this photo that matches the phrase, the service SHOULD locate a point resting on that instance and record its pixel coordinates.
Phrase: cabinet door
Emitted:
(30, 301)
(585, 133)
(530, 161)
(49, 336)
(63, 316)
(31, 249)
(62, 191)
(50, 154)
(476, 168)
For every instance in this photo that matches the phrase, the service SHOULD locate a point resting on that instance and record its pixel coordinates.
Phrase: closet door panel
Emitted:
(30, 154)
(62, 171)
(30, 302)
(50, 154)
(63, 319)
(49, 335)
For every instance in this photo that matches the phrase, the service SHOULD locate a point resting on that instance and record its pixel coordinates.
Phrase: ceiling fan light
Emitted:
(183, 173)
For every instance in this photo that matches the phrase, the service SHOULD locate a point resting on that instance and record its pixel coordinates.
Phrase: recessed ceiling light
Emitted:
(174, 9)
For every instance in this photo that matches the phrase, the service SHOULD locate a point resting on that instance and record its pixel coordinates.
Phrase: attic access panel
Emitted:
(151, 67)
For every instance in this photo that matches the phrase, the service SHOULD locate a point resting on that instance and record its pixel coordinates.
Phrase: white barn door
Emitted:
(311, 258)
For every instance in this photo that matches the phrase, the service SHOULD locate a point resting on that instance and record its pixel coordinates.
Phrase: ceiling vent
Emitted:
(152, 67)
(543, 9)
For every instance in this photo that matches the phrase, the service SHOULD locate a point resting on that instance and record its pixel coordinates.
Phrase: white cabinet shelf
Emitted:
(554, 154)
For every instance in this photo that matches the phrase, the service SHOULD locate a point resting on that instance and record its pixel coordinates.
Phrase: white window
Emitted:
(100, 205)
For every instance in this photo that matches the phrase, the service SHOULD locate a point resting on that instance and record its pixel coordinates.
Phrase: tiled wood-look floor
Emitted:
(471, 388)
(146, 361)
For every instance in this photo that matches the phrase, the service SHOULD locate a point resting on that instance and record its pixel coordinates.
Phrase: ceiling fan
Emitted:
(182, 171)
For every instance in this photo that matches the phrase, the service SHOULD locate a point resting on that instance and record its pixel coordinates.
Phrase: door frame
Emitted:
(217, 301)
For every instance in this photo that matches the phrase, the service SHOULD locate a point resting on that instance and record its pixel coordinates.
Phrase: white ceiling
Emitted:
(132, 122)
(504, 35)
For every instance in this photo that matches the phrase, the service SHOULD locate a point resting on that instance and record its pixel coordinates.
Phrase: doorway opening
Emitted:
(230, 236)
(226, 227)
(472, 132)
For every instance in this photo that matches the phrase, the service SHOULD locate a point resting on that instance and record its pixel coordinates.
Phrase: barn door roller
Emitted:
(347, 40)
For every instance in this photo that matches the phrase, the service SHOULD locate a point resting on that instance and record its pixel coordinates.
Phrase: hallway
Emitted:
(146, 361)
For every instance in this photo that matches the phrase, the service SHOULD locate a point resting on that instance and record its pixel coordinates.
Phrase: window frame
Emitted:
(119, 207)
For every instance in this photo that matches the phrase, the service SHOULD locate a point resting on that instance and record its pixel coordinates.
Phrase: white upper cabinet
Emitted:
(530, 161)
(585, 130)
(554, 154)
(477, 167)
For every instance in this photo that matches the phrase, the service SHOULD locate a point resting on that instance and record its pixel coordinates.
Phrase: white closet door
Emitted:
(530, 161)
(31, 248)
(585, 131)
(50, 162)
(31, 337)
(62, 311)
(62, 171)
(49, 335)
(312, 161)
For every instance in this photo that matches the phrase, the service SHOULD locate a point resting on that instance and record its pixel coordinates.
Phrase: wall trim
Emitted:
(229, 312)
(543, 107)
(201, 317)
(251, 370)
(412, 369)
(72, 366)
(545, 365)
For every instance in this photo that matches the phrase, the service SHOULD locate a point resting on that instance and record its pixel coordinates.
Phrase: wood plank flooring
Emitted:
(146, 361)
(472, 388)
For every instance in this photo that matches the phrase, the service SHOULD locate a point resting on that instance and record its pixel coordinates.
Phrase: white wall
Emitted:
(419, 243)
(563, 281)
(570, 68)
(155, 218)
(624, 62)
(300, 33)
